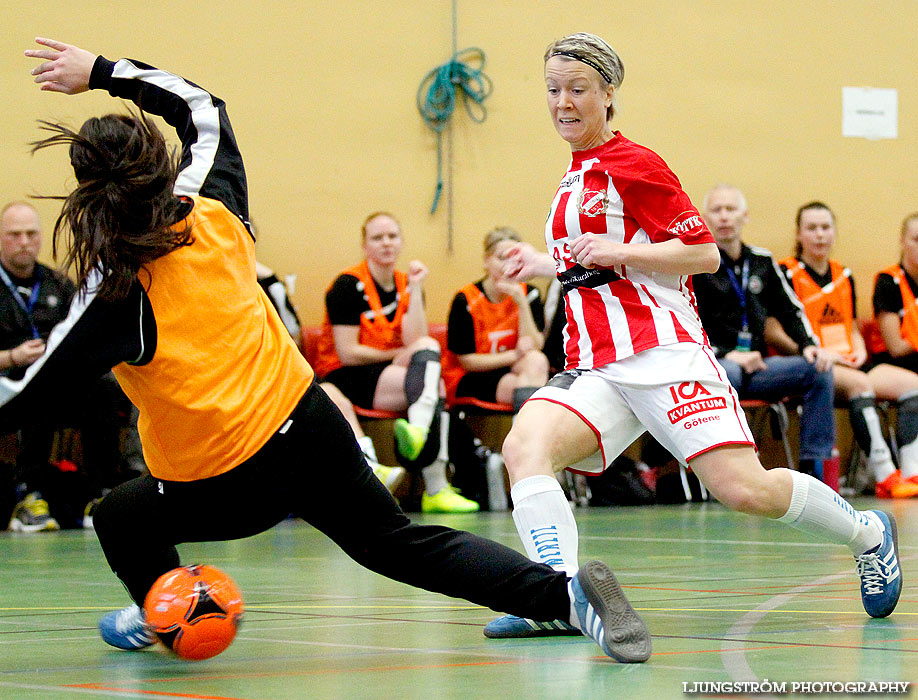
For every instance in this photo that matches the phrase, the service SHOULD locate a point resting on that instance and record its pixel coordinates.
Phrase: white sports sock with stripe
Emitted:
(435, 473)
(545, 522)
(817, 510)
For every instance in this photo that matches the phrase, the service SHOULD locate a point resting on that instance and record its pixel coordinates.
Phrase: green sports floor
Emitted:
(727, 598)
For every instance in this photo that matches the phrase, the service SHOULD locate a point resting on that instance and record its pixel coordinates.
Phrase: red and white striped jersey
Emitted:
(625, 192)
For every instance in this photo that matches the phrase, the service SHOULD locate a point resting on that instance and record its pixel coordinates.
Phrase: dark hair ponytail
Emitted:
(122, 213)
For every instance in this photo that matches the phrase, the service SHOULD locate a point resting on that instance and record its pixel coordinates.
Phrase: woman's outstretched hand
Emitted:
(65, 68)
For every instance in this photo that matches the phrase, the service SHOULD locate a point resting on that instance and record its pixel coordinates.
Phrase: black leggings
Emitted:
(303, 469)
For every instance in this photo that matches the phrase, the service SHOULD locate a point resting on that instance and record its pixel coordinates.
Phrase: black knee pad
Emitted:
(417, 368)
(907, 429)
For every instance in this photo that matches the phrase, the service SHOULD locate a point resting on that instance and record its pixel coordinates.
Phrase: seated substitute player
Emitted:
(375, 348)
(229, 408)
(494, 333)
(280, 299)
(826, 290)
(624, 240)
(896, 314)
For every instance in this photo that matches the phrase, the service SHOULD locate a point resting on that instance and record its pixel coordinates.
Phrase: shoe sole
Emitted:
(626, 637)
(894, 532)
(18, 526)
(447, 511)
(529, 632)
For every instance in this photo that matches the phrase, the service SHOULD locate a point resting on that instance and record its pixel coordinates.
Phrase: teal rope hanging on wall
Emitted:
(437, 96)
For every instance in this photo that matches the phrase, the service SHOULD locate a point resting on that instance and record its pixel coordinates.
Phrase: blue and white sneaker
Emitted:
(881, 578)
(126, 629)
(512, 627)
(606, 616)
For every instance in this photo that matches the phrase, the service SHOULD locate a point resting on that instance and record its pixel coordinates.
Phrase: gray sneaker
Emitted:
(31, 514)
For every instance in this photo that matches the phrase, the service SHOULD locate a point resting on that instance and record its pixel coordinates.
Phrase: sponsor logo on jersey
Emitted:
(593, 202)
(699, 400)
(715, 403)
(686, 222)
(570, 180)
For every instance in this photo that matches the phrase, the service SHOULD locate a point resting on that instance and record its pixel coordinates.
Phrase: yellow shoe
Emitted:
(447, 500)
(390, 476)
(410, 439)
(31, 514)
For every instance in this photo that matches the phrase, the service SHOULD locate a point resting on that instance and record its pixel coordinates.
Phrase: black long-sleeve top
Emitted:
(768, 294)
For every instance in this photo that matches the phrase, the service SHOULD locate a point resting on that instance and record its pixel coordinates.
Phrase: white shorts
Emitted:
(678, 393)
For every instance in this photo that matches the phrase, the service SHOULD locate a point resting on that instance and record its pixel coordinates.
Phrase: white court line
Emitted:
(741, 543)
(733, 652)
(71, 691)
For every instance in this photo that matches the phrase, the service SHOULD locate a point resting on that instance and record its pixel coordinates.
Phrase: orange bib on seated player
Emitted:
(376, 330)
(496, 330)
(909, 326)
(829, 309)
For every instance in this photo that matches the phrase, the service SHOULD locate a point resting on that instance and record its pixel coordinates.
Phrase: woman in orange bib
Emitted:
(494, 336)
(896, 344)
(236, 432)
(826, 290)
(376, 350)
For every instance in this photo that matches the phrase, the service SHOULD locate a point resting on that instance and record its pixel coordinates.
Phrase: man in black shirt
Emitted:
(735, 302)
(33, 299)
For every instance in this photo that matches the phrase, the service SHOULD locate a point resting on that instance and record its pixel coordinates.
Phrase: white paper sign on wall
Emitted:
(870, 113)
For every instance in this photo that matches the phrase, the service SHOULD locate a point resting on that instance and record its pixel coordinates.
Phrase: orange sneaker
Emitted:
(894, 486)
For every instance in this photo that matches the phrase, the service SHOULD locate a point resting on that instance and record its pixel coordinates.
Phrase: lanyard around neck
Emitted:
(26, 306)
(740, 288)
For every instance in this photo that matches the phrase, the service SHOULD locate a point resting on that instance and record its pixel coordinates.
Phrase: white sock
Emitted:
(366, 446)
(545, 522)
(880, 458)
(908, 459)
(435, 473)
(421, 412)
(817, 510)
(434, 477)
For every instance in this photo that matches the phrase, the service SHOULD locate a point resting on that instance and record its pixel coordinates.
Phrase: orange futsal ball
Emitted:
(194, 610)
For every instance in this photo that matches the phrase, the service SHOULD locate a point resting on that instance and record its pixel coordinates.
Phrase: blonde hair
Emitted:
(595, 52)
(376, 215)
(498, 234)
(906, 221)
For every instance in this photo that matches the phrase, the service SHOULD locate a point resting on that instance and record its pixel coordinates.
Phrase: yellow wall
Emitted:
(322, 96)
